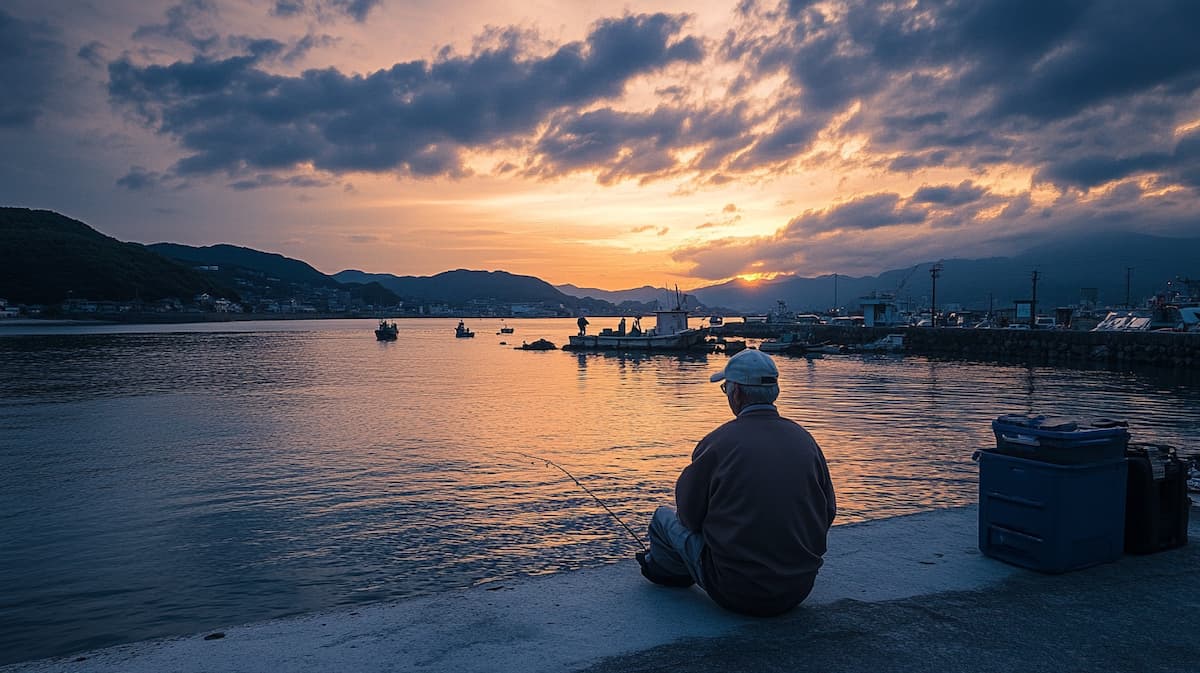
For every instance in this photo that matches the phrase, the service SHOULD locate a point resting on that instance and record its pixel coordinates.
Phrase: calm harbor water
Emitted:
(171, 479)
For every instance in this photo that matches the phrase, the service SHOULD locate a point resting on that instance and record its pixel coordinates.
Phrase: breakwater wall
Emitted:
(1158, 349)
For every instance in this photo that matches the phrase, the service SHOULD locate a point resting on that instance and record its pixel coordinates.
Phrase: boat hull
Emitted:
(685, 340)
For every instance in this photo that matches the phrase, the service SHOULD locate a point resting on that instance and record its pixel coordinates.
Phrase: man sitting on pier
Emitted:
(754, 506)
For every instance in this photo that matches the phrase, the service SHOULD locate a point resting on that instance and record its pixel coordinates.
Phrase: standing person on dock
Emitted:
(754, 506)
(583, 323)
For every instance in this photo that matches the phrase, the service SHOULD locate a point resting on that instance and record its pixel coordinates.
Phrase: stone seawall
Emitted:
(1158, 349)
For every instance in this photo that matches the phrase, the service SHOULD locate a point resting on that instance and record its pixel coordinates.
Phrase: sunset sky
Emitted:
(605, 144)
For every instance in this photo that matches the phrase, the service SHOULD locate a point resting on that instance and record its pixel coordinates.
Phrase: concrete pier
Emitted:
(908, 593)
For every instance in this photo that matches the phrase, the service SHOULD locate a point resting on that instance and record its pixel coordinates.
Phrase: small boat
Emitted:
(461, 332)
(716, 320)
(505, 329)
(789, 343)
(888, 344)
(539, 345)
(386, 331)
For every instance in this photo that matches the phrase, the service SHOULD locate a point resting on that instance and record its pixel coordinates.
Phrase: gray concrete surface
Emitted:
(905, 594)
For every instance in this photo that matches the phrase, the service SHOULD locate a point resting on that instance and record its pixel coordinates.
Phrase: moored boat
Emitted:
(462, 332)
(889, 344)
(387, 331)
(670, 333)
(788, 343)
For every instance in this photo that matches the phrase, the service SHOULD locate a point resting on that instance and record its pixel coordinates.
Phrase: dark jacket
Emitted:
(759, 491)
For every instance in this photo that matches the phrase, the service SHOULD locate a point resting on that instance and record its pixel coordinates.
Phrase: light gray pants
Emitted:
(673, 547)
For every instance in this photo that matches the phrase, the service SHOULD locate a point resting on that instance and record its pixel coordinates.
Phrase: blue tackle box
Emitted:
(1060, 440)
(1051, 517)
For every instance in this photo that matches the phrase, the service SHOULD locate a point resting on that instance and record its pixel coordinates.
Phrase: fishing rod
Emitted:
(587, 490)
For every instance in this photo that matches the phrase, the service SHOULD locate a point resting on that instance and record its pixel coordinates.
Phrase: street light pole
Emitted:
(1033, 303)
(934, 272)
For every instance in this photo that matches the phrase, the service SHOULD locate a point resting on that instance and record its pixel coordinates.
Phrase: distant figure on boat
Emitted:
(583, 323)
(636, 330)
(621, 327)
(754, 543)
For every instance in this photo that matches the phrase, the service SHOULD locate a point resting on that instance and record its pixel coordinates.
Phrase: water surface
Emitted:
(165, 480)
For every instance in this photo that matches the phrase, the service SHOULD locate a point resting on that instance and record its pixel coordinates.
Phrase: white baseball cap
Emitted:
(750, 368)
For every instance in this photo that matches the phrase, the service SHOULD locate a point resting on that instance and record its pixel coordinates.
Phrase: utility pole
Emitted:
(1033, 303)
(934, 272)
(835, 303)
(989, 306)
(1128, 276)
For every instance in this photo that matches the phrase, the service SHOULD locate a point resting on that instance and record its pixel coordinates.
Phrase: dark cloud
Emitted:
(1082, 92)
(358, 9)
(31, 61)
(865, 234)
(139, 179)
(270, 180)
(866, 212)
(912, 162)
(92, 54)
(355, 9)
(306, 44)
(414, 118)
(949, 195)
(1093, 170)
(288, 7)
(190, 22)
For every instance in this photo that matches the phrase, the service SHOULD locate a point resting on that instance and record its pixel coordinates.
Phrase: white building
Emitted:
(880, 310)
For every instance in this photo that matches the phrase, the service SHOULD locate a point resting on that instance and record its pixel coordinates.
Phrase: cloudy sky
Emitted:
(606, 144)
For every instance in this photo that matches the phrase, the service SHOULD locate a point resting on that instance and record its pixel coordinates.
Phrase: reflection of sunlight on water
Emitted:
(258, 473)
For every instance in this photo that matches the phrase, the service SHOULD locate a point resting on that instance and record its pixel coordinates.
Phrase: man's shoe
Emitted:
(655, 574)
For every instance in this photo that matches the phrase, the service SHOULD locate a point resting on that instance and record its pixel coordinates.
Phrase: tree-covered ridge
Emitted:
(271, 264)
(46, 258)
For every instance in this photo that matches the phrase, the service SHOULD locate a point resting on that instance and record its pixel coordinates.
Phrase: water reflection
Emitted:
(166, 482)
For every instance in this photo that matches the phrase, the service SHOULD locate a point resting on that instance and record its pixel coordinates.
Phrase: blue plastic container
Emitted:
(1050, 517)
(1062, 441)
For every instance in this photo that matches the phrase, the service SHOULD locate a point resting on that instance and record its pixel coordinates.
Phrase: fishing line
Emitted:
(587, 490)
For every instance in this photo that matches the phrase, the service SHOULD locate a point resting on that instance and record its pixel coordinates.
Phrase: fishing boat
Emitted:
(387, 331)
(461, 332)
(505, 329)
(670, 333)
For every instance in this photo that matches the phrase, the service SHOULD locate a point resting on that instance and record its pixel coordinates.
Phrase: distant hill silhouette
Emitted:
(46, 258)
(269, 263)
(463, 285)
(1064, 267)
(270, 273)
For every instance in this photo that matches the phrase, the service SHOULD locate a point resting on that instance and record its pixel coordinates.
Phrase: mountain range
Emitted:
(1068, 269)
(46, 257)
